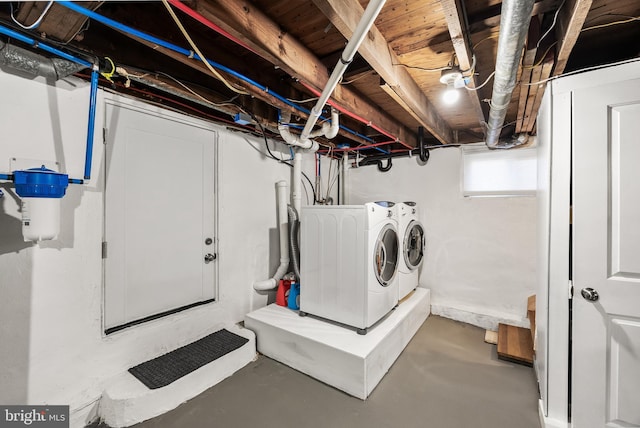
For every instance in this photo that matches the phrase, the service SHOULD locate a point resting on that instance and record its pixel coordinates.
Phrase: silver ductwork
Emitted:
(35, 64)
(514, 25)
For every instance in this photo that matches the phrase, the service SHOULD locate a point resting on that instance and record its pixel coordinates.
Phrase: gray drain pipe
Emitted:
(514, 25)
(35, 64)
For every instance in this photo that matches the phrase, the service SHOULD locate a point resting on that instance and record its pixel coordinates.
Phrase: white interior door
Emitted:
(159, 213)
(606, 197)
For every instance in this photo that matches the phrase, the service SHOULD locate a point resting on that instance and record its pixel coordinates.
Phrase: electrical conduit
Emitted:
(271, 283)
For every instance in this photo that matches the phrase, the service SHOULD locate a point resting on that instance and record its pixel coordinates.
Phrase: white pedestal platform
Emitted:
(126, 401)
(335, 354)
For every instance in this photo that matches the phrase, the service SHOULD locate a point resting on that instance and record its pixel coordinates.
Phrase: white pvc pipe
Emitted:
(368, 17)
(329, 129)
(291, 139)
(282, 192)
(343, 182)
(296, 180)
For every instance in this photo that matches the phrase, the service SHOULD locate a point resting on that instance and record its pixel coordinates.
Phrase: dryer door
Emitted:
(414, 243)
(385, 256)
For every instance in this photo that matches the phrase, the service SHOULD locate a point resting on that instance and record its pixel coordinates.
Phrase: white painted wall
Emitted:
(52, 349)
(481, 252)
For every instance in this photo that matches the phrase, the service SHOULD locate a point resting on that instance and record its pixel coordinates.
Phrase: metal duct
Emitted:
(514, 25)
(35, 64)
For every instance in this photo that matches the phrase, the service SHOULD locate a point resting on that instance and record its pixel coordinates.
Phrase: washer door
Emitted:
(414, 242)
(385, 255)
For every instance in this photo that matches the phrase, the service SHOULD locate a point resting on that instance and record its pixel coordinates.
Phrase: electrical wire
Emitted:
(224, 103)
(624, 21)
(526, 67)
(493, 36)
(109, 74)
(331, 164)
(432, 70)
(334, 180)
(553, 24)
(37, 21)
(595, 67)
(195, 48)
(480, 86)
(308, 100)
(348, 82)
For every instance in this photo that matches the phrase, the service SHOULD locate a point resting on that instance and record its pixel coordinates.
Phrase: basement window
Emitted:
(510, 172)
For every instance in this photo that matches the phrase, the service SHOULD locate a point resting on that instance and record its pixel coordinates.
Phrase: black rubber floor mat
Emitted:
(167, 368)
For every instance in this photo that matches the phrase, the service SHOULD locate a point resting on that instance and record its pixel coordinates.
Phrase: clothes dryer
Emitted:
(348, 263)
(412, 247)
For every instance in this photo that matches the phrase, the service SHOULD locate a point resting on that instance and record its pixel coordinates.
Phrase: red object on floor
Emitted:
(282, 295)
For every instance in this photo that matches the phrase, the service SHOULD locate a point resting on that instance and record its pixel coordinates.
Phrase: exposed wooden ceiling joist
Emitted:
(375, 49)
(570, 22)
(454, 13)
(251, 26)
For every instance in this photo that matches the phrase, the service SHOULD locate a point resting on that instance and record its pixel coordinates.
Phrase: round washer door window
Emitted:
(385, 255)
(414, 241)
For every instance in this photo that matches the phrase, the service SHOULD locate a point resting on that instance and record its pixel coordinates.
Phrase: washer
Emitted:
(412, 247)
(348, 263)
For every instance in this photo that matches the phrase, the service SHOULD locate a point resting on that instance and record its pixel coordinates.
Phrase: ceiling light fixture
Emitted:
(452, 77)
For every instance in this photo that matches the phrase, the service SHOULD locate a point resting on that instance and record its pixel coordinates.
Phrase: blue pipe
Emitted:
(40, 45)
(188, 53)
(92, 102)
(92, 122)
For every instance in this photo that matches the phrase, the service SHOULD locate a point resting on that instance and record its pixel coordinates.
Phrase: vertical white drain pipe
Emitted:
(343, 182)
(282, 191)
(296, 181)
(368, 17)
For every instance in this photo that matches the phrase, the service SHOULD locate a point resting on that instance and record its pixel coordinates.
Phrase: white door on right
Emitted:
(606, 256)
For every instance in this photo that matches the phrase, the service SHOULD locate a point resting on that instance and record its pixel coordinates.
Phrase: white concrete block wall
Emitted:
(52, 347)
(481, 252)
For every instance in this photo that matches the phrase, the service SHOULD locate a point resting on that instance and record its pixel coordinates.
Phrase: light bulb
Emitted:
(451, 95)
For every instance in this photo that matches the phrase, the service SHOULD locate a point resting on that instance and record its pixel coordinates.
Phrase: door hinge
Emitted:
(570, 290)
(104, 250)
(104, 135)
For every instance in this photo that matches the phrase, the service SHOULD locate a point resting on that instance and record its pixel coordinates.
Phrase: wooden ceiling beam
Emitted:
(265, 38)
(570, 22)
(454, 13)
(376, 51)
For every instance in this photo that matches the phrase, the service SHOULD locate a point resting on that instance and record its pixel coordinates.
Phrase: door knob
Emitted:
(590, 294)
(209, 258)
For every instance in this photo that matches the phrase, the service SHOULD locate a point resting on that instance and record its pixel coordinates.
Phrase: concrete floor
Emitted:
(447, 377)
